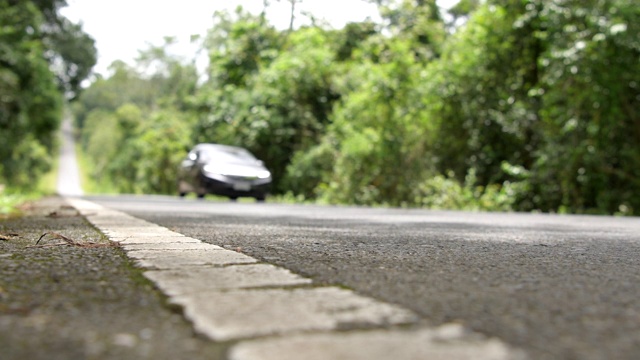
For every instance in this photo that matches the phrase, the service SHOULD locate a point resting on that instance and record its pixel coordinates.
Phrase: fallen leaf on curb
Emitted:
(57, 236)
(8, 236)
(56, 214)
(70, 242)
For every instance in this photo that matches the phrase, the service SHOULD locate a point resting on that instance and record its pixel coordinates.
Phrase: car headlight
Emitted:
(264, 174)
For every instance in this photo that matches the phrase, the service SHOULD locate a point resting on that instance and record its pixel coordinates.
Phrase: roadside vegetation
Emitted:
(43, 60)
(501, 105)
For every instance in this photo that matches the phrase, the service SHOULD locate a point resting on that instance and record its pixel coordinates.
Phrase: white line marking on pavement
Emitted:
(272, 313)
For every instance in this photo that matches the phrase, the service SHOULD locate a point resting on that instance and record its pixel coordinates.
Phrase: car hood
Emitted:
(237, 170)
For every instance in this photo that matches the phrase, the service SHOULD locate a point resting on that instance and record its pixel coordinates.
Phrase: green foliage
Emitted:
(527, 105)
(9, 202)
(309, 170)
(102, 138)
(591, 127)
(283, 107)
(446, 192)
(376, 131)
(158, 150)
(41, 55)
(30, 103)
(172, 82)
(135, 154)
(544, 87)
(419, 22)
(72, 54)
(351, 38)
(239, 47)
(484, 110)
(12, 199)
(126, 85)
(135, 126)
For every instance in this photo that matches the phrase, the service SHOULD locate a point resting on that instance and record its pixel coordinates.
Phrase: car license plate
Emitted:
(242, 187)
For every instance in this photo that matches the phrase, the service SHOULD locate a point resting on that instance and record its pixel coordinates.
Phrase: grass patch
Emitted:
(9, 202)
(88, 182)
(12, 198)
(48, 183)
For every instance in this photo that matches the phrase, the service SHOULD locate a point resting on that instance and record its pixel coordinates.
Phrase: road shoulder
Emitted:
(75, 295)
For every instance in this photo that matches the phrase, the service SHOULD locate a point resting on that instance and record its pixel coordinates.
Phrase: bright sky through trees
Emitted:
(122, 27)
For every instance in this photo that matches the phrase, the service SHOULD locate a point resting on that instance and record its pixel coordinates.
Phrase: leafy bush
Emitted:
(445, 192)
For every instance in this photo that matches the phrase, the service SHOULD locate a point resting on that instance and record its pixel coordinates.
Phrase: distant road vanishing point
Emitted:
(68, 172)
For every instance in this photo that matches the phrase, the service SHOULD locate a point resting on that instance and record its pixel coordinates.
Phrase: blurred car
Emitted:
(223, 170)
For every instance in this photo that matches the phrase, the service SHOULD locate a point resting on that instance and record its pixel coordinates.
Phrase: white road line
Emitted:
(272, 313)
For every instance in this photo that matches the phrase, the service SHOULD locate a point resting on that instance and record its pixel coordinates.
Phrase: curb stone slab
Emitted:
(154, 239)
(213, 279)
(448, 342)
(169, 246)
(238, 314)
(180, 259)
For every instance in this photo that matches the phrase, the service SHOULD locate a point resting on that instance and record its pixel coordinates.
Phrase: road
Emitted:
(68, 182)
(557, 287)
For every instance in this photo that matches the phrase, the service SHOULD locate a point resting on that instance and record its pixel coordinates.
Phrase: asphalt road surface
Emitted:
(557, 287)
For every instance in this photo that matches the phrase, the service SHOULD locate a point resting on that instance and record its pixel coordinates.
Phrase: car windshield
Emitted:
(228, 154)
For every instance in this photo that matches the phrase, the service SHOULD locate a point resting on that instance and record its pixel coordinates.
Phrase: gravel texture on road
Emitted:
(82, 300)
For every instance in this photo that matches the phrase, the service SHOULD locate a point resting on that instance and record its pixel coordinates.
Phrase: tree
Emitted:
(70, 51)
(418, 21)
(30, 105)
(484, 86)
(376, 131)
(589, 158)
(174, 80)
(239, 47)
(352, 37)
(137, 122)
(463, 9)
(281, 106)
(35, 42)
(378, 123)
(125, 85)
(72, 54)
(538, 93)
